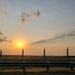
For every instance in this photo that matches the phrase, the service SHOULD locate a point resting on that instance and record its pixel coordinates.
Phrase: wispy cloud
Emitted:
(4, 16)
(1, 33)
(36, 13)
(2, 11)
(25, 20)
(3, 38)
(55, 37)
(26, 16)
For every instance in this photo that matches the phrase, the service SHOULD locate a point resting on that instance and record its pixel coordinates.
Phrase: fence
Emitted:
(38, 64)
(44, 63)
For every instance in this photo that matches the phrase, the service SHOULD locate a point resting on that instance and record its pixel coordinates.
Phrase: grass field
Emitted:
(37, 58)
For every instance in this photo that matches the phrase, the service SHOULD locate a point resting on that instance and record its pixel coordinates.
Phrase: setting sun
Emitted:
(19, 44)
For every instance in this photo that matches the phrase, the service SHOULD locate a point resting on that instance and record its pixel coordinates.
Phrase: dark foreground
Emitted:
(33, 71)
(38, 73)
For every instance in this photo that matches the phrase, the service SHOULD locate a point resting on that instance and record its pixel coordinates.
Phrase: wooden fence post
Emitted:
(23, 59)
(67, 55)
(0, 55)
(44, 56)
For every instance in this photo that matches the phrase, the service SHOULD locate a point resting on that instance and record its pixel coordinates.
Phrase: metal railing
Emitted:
(38, 64)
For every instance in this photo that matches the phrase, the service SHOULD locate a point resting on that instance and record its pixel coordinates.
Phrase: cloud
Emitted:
(1, 33)
(25, 20)
(4, 16)
(55, 37)
(26, 16)
(10, 40)
(3, 38)
(36, 13)
(2, 11)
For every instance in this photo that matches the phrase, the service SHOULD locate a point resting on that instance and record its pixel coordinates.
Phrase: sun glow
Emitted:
(20, 44)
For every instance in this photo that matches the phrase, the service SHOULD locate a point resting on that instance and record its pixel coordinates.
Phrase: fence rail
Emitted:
(38, 64)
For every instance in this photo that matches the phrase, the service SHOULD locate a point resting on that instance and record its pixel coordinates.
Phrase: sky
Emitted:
(38, 24)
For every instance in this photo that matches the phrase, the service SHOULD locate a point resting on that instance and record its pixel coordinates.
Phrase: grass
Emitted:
(37, 58)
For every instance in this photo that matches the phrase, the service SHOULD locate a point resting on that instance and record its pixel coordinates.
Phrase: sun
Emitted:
(19, 44)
